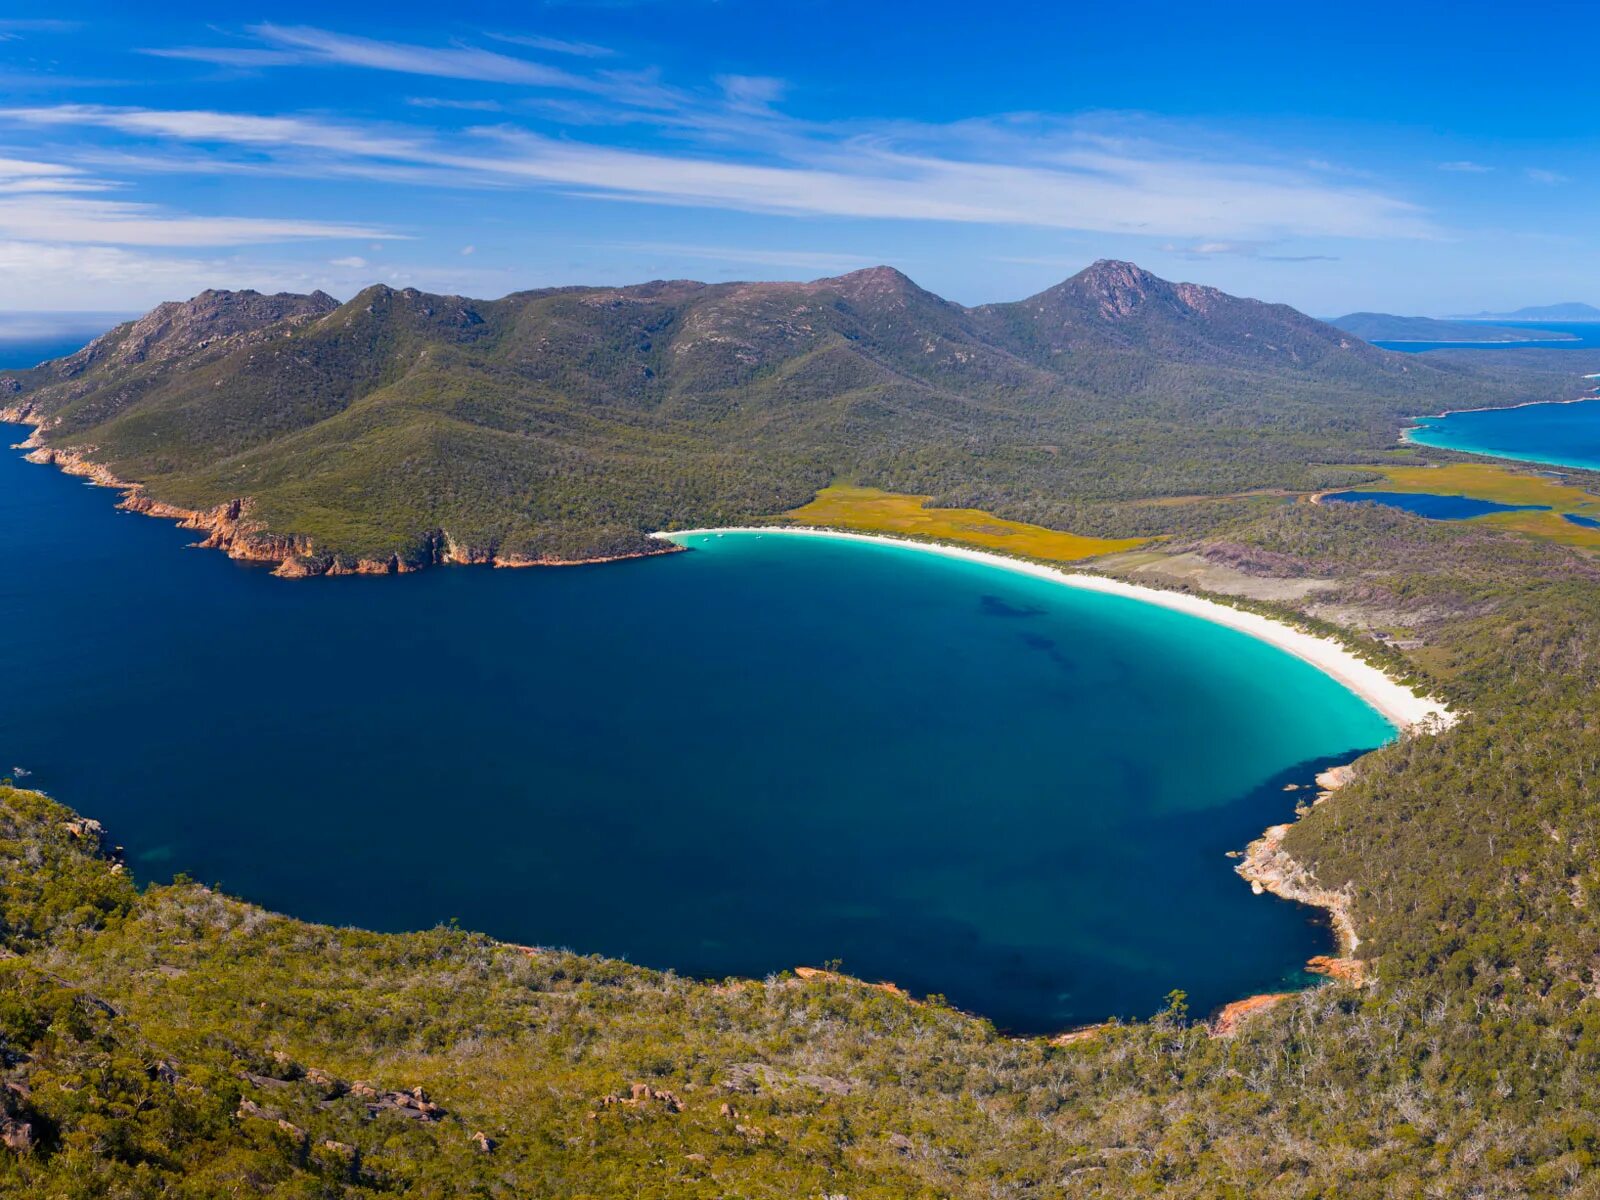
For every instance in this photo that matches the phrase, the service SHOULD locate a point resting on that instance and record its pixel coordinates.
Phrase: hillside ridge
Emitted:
(567, 424)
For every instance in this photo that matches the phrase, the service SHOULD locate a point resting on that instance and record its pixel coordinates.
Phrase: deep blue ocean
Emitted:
(761, 753)
(27, 339)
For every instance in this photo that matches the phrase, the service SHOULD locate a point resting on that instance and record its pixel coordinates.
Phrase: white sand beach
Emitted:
(1399, 704)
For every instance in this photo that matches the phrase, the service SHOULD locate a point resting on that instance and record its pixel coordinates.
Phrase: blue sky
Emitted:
(1409, 158)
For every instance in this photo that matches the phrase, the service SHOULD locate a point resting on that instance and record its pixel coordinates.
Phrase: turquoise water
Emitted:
(1565, 435)
(1428, 504)
(762, 753)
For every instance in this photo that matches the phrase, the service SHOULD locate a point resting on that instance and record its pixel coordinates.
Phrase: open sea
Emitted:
(761, 753)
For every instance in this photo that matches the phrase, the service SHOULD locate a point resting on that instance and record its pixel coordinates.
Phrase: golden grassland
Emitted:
(870, 510)
(1505, 485)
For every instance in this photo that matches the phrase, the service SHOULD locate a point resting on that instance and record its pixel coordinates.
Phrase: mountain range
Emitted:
(401, 428)
(1571, 310)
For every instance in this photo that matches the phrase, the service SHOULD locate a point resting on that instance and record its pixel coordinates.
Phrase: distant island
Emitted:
(1571, 310)
(1386, 327)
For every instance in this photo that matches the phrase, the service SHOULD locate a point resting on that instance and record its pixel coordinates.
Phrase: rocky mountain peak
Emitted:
(1118, 288)
(870, 282)
(179, 327)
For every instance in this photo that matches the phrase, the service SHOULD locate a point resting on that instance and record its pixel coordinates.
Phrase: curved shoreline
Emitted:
(1265, 864)
(1502, 456)
(1450, 412)
(1398, 704)
(1407, 438)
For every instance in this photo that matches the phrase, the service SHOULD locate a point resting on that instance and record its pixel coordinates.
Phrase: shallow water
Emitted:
(762, 753)
(1566, 435)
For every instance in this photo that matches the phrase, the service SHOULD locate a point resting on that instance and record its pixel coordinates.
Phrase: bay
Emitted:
(757, 754)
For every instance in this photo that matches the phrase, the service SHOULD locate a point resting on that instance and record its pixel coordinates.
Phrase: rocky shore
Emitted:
(1268, 867)
(231, 527)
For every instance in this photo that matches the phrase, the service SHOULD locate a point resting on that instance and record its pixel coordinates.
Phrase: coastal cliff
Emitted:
(1268, 867)
(232, 528)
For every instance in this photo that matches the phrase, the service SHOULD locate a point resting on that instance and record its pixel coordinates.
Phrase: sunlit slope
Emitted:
(571, 422)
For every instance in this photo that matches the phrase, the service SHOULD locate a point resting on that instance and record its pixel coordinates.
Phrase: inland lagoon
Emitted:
(1428, 504)
(762, 753)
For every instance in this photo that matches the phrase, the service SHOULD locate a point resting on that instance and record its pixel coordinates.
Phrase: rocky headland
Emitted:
(232, 528)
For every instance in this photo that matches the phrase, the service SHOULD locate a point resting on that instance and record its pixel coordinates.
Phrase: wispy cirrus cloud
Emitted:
(53, 276)
(450, 62)
(752, 91)
(749, 256)
(1465, 167)
(116, 223)
(44, 201)
(19, 175)
(273, 45)
(454, 104)
(1252, 250)
(1548, 178)
(555, 45)
(1049, 177)
(229, 56)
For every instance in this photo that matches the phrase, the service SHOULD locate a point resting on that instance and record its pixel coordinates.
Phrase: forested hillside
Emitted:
(402, 428)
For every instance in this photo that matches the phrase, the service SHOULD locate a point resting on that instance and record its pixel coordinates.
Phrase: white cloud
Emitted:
(756, 91)
(1064, 188)
(12, 168)
(53, 276)
(1548, 178)
(456, 62)
(229, 56)
(1051, 179)
(109, 222)
(1252, 250)
(460, 105)
(555, 45)
(354, 262)
(1465, 166)
(802, 259)
(468, 250)
(57, 277)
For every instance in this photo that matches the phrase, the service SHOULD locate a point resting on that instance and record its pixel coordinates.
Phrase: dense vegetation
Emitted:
(171, 1041)
(569, 423)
